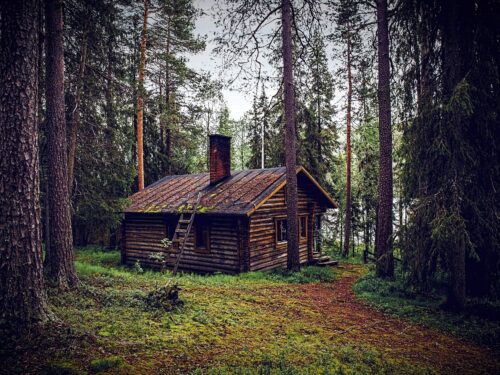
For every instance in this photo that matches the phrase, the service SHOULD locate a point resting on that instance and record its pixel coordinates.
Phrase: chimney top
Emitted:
(220, 157)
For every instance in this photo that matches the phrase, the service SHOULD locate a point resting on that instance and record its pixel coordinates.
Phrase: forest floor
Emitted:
(255, 323)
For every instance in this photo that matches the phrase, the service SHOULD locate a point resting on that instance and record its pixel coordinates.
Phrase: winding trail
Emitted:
(349, 318)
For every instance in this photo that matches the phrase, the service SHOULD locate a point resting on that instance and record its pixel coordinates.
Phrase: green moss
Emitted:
(344, 360)
(62, 368)
(105, 364)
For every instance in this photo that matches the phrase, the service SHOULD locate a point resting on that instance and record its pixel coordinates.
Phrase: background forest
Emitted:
(444, 107)
(396, 110)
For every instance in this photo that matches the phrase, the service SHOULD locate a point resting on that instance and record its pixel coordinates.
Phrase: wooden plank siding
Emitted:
(237, 243)
(143, 234)
(265, 252)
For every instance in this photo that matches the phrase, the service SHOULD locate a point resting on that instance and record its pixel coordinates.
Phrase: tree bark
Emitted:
(457, 47)
(290, 138)
(140, 99)
(385, 260)
(74, 122)
(348, 203)
(59, 261)
(23, 301)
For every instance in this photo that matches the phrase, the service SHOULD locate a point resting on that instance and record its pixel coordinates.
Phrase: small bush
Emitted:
(137, 267)
(165, 298)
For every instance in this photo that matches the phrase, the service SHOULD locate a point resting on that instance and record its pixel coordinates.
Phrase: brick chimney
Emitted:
(220, 158)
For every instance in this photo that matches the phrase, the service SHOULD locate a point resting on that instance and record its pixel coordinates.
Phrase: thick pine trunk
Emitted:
(140, 99)
(290, 137)
(59, 262)
(385, 260)
(23, 301)
(348, 203)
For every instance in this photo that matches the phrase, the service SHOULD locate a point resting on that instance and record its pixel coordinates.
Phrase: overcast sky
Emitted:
(237, 102)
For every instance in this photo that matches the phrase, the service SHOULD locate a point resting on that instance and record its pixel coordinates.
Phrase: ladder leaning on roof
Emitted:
(182, 231)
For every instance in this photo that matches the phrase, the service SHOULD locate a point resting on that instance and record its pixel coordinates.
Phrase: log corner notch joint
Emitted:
(238, 208)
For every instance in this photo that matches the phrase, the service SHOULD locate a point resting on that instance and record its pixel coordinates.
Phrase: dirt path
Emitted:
(349, 318)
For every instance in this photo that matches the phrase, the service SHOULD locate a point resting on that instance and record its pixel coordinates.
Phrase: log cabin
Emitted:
(240, 222)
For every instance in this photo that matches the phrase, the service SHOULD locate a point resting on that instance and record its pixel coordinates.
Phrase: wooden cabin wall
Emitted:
(144, 232)
(265, 253)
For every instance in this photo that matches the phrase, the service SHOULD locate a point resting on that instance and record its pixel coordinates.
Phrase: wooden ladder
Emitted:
(182, 231)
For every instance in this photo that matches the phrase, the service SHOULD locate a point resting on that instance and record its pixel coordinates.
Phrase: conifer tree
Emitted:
(385, 260)
(140, 98)
(59, 265)
(348, 20)
(23, 301)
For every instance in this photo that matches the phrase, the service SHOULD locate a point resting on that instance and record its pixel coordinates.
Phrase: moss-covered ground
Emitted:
(254, 323)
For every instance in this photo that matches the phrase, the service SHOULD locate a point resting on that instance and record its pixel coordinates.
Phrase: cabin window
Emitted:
(303, 227)
(170, 231)
(281, 227)
(201, 236)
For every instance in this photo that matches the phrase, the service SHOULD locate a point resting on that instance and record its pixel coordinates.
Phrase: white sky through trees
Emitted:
(237, 102)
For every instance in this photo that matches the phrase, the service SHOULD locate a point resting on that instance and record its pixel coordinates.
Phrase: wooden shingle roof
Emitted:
(239, 194)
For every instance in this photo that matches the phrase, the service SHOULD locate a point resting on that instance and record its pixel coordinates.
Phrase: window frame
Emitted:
(306, 219)
(277, 229)
(206, 230)
(170, 229)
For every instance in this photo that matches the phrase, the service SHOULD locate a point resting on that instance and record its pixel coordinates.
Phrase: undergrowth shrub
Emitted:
(164, 298)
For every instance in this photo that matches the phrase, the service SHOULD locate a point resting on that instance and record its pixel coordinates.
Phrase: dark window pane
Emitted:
(170, 231)
(201, 235)
(281, 230)
(303, 226)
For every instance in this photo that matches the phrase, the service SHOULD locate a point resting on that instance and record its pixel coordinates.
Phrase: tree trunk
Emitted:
(169, 104)
(23, 301)
(319, 239)
(457, 47)
(290, 138)
(74, 122)
(59, 262)
(366, 234)
(385, 260)
(348, 203)
(341, 236)
(140, 99)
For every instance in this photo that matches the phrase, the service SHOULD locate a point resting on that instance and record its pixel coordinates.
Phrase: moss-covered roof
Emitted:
(239, 194)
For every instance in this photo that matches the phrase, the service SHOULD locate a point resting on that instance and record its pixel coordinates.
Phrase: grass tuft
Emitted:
(105, 364)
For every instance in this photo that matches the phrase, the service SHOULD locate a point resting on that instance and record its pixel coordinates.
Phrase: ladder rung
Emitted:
(181, 231)
(183, 221)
